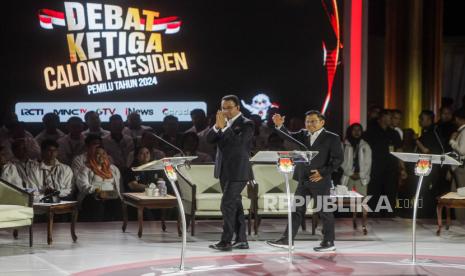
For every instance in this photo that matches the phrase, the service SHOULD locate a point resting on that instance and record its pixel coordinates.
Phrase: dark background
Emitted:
(232, 47)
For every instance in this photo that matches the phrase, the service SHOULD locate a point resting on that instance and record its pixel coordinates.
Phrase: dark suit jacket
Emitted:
(329, 158)
(233, 150)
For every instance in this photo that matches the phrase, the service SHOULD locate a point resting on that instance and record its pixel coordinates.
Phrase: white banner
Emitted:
(32, 112)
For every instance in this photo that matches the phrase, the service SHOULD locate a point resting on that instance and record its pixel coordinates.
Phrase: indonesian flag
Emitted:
(48, 18)
(170, 25)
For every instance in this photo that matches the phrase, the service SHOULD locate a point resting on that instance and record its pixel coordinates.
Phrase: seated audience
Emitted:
(134, 127)
(149, 141)
(171, 134)
(98, 184)
(94, 125)
(201, 128)
(24, 164)
(51, 174)
(117, 144)
(51, 132)
(8, 171)
(17, 132)
(92, 141)
(190, 143)
(72, 144)
(138, 181)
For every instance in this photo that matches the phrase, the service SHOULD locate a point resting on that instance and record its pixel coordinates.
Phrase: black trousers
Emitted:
(383, 183)
(315, 191)
(233, 211)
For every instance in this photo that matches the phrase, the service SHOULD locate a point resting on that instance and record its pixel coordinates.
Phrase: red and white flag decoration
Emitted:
(48, 18)
(170, 25)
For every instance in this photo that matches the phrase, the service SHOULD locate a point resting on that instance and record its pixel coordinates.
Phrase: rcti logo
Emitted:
(32, 111)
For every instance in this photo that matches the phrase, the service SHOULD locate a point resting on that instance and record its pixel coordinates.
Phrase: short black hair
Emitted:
(92, 137)
(460, 113)
(115, 117)
(75, 119)
(232, 98)
(317, 113)
(428, 113)
(88, 114)
(48, 143)
(199, 112)
(51, 117)
(170, 118)
(384, 112)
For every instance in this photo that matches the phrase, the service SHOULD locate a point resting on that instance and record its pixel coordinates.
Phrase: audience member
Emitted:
(357, 160)
(93, 123)
(51, 122)
(72, 144)
(98, 183)
(117, 144)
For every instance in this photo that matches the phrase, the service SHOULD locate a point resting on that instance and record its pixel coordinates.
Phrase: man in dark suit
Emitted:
(314, 178)
(233, 135)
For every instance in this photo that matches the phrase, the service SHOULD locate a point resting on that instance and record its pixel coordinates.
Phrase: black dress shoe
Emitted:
(221, 246)
(325, 246)
(240, 245)
(281, 243)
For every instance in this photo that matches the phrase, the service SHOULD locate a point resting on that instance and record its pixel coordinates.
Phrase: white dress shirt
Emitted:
(58, 176)
(314, 135)
(69, 148)
(9, 173)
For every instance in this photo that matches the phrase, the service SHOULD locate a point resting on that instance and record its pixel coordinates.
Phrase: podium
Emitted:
(286, 161)
(423, 166)
(168, 165)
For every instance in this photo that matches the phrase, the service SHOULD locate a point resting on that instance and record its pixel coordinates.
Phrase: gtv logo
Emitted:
(106, 111)
(32, 111)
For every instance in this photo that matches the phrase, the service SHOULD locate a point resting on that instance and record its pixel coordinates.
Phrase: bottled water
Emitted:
(162, 186)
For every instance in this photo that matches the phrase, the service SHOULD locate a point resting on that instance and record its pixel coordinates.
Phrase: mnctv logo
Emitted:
(32, 111)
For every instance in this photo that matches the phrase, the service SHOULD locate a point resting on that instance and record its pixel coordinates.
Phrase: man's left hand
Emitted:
(315, 176)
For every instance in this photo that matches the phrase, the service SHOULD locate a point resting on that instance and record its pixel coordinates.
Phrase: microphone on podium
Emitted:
(170, 144)
(300, 144)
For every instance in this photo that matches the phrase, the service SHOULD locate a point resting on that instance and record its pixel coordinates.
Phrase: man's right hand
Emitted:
(278, 120)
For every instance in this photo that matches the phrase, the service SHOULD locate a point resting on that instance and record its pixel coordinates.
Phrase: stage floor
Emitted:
(102, 249)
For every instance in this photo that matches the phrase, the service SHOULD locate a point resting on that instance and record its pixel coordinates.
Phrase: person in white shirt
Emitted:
(118, 145)
(72, 144)
(92, 141)
(94, 125)
(200, 127)
(24, 164)
(134, 128)
(8, 171)
(457, 142)
(51, 132)
(17, 132)
(396, 122)
(50, 174)
(99, 185)
(357, 160)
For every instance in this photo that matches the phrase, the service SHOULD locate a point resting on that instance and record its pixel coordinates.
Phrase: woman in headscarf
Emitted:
(99, 188)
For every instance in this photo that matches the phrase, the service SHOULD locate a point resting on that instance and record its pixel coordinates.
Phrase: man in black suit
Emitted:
(233, 135)
(314, 179)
